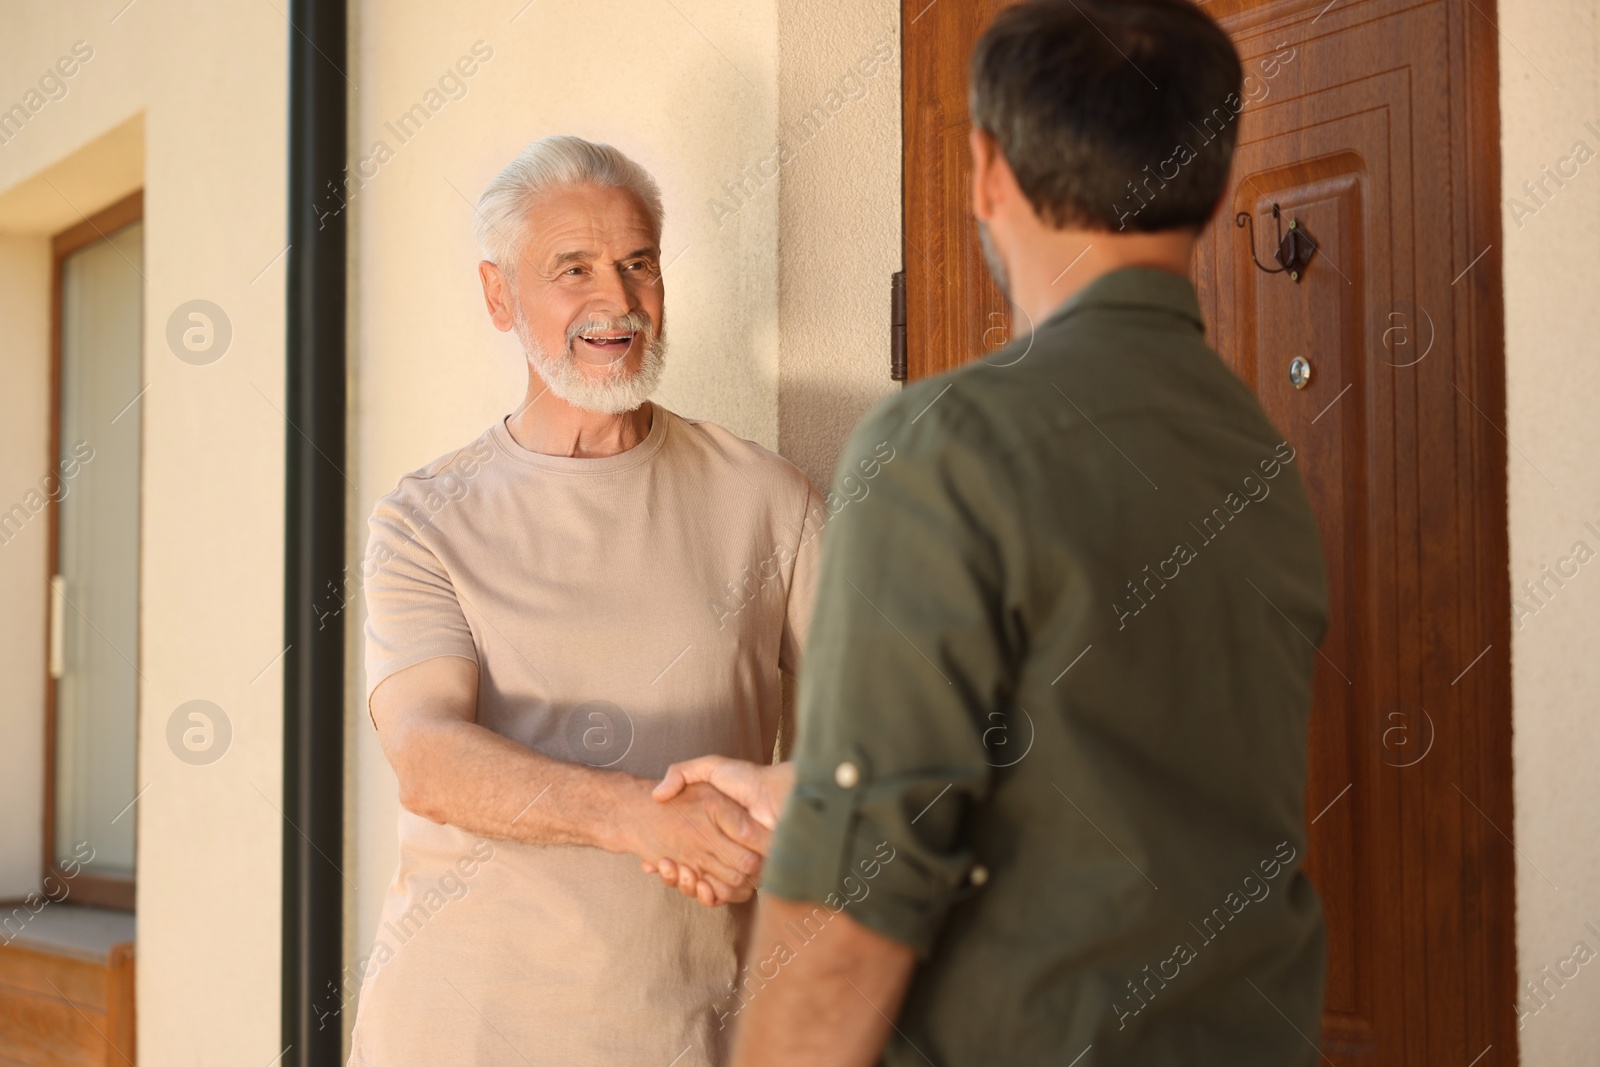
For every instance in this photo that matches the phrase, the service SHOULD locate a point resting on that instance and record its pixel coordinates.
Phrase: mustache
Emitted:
(632, 322)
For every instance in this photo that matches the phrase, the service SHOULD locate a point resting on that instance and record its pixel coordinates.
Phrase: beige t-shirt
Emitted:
(625, 612)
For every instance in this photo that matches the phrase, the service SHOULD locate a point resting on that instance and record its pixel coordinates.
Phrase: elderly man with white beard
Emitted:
(547, 630)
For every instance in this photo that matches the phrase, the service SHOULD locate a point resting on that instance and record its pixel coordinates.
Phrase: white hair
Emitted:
(549, 162)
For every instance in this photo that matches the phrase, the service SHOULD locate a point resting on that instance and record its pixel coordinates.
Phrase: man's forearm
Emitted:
(469, 776)
(833, 997)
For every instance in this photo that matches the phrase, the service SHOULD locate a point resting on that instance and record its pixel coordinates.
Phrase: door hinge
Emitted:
(897, 326)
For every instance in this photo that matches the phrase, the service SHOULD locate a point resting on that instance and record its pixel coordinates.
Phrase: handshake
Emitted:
(711, 827)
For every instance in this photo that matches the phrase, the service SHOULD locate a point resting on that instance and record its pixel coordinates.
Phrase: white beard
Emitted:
(614, 393)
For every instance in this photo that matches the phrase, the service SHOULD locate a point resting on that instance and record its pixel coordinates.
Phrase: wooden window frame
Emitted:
(108, 891)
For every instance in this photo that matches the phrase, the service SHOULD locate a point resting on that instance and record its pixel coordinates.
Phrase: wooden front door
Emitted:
(1373, 126)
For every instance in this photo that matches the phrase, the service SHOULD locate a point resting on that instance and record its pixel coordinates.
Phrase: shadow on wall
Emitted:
(816, 418)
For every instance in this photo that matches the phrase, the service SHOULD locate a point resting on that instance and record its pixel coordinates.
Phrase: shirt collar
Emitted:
(1146, 288)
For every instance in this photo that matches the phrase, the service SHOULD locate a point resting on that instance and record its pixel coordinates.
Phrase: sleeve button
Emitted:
(847, 775)
(979, 875)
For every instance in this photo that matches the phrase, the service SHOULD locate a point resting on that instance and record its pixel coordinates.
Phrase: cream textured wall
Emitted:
(210, 81)
(778, 307)
(840, 233)
(777, 284)
(689, 89)
(1550, 102)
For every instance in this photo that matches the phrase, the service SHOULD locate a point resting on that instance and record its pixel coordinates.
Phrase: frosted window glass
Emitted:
(98, 561)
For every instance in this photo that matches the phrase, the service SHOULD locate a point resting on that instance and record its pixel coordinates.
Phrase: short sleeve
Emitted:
(803, 582)
(908, 656)
(413, 612)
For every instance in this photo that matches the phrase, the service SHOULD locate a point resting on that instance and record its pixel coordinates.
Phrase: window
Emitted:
(93, 690)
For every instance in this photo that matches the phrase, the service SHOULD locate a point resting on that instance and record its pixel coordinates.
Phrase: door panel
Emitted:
(1379, 136)
(1277, 320)
(1361, 140)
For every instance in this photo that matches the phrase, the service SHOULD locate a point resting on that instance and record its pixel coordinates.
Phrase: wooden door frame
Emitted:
(1476, 112)
(84, 888)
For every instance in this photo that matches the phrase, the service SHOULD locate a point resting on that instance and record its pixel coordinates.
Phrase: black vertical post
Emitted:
(313, 667)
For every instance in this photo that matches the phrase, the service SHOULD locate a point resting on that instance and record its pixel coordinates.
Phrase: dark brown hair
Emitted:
(1114, 114)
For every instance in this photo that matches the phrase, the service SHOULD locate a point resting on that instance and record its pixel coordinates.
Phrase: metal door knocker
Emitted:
(1295, 247)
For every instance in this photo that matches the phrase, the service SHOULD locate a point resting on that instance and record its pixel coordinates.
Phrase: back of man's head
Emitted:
(1113, 114)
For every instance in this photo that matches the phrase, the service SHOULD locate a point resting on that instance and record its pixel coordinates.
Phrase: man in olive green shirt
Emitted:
(1047, 805)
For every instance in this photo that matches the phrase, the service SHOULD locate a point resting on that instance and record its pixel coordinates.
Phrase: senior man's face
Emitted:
(587, 297)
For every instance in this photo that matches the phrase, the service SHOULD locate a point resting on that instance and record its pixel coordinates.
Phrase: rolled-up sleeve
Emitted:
(910, 653)
(802, 581)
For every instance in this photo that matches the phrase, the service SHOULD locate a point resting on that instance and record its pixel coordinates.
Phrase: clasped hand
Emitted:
(734, 800)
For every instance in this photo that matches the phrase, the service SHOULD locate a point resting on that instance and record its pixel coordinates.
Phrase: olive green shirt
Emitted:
(1053, 713)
